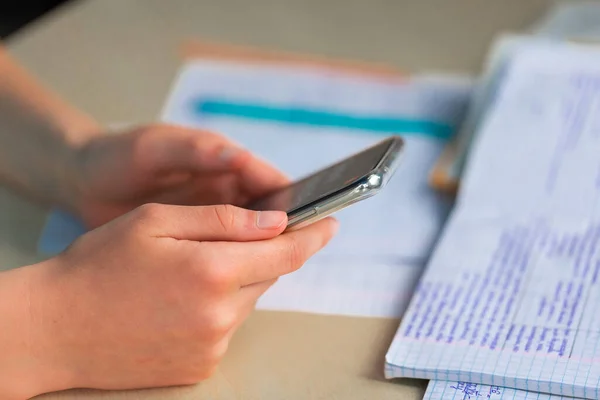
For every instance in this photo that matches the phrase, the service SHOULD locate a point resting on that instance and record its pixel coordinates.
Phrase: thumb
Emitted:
(211, 223)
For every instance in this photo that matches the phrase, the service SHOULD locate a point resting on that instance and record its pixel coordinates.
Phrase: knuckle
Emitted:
(219, 279)
(198, 373)
(149, 212)
(140, 141)
(295, 255)
(207, 135)
(196, 145)
(216, 325)
(205, 373)
(225, 216)
(210, 268)
(201, 141)
(217, 352)
(216, 277)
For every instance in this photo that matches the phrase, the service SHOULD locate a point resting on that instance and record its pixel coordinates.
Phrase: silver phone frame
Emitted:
(364, 188)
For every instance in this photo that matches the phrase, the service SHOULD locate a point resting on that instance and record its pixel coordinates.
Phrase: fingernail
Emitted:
(228, 153)
(270, 219)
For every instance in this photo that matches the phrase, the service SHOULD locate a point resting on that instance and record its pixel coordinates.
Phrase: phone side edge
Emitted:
(367, 187)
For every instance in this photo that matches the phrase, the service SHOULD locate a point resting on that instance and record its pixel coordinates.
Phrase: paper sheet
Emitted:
(448, 170)
(301, 119)
(511, 293)
(442, 390)
(346, 287)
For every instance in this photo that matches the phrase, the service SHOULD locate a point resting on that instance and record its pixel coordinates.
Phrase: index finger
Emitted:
(264, 260)
(257, 177)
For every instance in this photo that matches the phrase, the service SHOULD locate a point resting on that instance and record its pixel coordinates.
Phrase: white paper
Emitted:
(442, 390)
(346, 287)
(485, 91)
(511, 293)
(403, 220)
(371, 266)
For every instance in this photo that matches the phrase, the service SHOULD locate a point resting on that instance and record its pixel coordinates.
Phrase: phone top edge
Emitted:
(388, 164)
(385, 164)
(364, 187)
(330, 205)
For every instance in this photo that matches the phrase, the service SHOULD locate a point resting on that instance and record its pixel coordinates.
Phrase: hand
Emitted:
(165, 164)
(154, 297)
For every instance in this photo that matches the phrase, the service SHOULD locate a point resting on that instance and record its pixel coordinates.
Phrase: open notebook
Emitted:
(511, 294)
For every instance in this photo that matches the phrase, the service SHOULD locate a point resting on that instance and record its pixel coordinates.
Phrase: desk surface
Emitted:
(117, 58)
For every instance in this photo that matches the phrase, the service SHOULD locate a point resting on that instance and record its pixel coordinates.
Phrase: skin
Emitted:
(171, 267)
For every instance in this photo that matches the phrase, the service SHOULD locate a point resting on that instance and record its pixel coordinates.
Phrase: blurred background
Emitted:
(16, 14)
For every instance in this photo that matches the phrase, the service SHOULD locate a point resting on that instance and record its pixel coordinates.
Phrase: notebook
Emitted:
(443, 390)
(572, 22)
(445, 175)
(510, 295)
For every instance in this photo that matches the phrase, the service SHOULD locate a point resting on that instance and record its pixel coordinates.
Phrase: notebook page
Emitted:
(442, 390)
(485, 92)
(510, 295)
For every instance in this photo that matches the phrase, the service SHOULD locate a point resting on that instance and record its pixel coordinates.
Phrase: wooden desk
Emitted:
(117, 58)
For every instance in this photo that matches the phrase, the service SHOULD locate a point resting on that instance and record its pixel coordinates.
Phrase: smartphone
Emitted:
(335, 187)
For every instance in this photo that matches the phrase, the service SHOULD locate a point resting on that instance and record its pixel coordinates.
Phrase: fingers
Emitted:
(167, 148)
(257, 177)
(249, 294)
(210, 223)
(265, 260)
(246, 302)
(218, 188)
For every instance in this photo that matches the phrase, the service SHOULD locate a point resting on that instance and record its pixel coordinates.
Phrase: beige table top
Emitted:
(117, 58)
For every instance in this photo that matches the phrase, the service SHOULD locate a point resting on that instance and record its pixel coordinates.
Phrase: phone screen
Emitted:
(323, 183)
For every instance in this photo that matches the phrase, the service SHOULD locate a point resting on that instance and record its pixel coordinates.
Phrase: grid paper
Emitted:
(443, 390)
(510, 294)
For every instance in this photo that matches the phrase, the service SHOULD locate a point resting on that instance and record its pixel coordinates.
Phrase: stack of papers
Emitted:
(510, 295)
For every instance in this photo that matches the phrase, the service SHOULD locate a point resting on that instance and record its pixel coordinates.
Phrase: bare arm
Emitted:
(153, 298)
(38, 135)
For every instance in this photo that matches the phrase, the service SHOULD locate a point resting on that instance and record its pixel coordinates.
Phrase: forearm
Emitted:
(27, 364)
(39, 134)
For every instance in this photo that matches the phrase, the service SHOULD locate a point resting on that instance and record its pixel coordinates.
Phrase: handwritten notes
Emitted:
(511, 293)
(441, 390)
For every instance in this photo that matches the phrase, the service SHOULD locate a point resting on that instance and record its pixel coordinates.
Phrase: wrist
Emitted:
(71, 183)
(30, 360)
